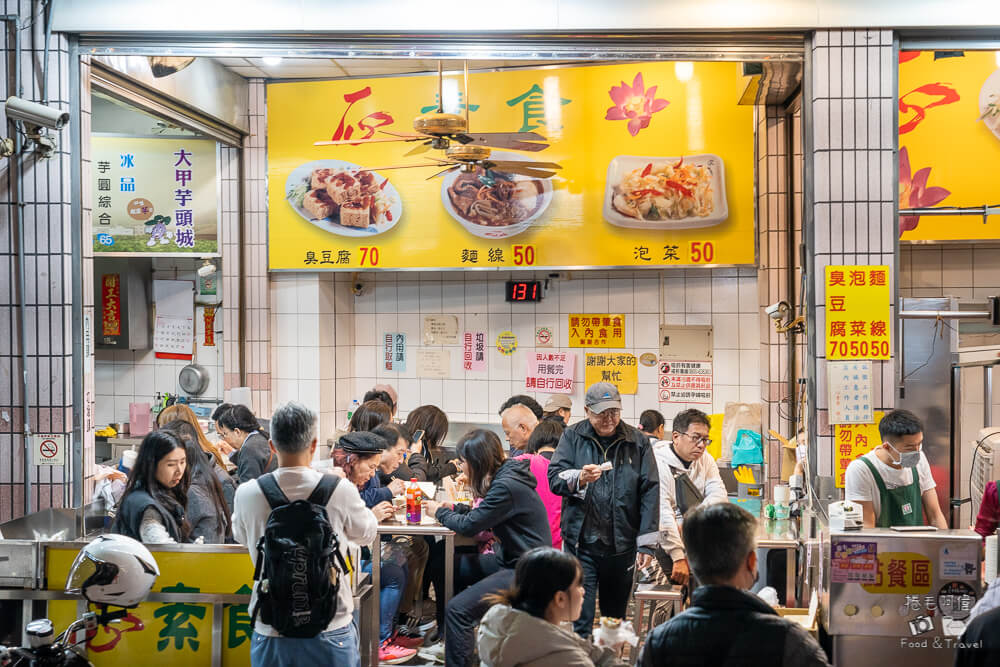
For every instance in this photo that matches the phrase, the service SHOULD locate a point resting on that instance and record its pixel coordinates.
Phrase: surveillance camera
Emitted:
(776, 311)
(34, 114)
(358, 288)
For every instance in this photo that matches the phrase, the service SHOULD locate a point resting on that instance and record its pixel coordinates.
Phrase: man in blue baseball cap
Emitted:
(606, 471)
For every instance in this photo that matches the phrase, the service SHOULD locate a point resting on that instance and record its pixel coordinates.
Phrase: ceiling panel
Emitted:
(313, 68)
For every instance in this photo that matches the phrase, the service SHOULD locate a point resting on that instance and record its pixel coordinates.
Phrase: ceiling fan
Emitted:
(463, 150)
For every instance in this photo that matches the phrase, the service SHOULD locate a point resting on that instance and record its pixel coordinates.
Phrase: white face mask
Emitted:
(906, 459)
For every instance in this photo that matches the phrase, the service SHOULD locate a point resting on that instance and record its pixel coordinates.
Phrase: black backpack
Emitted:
(298, 562)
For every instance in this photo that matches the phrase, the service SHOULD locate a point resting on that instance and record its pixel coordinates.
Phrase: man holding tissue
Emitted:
(606, 473)
(893, 482)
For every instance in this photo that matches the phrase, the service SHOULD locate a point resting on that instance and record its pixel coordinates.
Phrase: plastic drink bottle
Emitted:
(413, 499)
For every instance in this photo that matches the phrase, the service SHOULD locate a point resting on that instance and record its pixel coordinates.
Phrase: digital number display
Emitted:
(524, 290)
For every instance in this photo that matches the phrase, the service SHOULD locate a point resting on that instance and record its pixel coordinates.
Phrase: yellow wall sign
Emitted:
(155, 195)
(853, 440)
(949, 127)
(857, 312)
(596, 330)
(656, 170)
(168, 633)
(621, 370)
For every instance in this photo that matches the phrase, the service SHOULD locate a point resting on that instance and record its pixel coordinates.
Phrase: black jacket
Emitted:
(980, 643)
(634, 485)
(254, 458)
(727, 627)
(429, 468)
(128, 517)
(205, 516)
(511, 509)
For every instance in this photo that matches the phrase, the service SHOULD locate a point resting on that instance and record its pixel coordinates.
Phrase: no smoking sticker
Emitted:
(49, 449)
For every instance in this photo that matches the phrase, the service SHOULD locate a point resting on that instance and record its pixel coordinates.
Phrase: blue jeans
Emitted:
(338, 647)
(392, 582)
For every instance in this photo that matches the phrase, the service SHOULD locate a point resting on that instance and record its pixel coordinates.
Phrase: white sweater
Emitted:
(703, 472)
(349, 518)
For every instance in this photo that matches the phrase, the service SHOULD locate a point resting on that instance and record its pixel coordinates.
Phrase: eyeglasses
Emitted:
(699, 439)
(607, 415)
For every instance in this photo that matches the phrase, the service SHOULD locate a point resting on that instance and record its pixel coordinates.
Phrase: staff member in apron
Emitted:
(893, 482)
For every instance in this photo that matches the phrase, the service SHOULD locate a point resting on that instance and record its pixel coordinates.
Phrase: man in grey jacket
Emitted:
(606, 473)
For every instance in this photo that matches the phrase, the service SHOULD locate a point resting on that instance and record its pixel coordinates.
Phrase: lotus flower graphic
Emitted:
(913, 191)
(634, 103)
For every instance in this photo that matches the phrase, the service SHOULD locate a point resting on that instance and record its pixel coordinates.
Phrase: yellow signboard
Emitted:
(597, 330)
(949, 130)
(853, 440)
(621, 370)
(656, 169)
(155, 195)
(168, 633)
(857, 312)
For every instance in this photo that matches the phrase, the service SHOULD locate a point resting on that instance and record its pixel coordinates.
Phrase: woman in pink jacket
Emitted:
(541, 445)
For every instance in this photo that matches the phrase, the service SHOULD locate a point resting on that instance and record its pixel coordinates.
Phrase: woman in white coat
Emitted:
(524, 628)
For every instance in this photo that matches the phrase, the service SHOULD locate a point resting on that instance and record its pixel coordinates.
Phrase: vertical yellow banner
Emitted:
(857, 312)
(853, 440)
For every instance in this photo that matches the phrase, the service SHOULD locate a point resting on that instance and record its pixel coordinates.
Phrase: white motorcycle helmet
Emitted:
(113, 570)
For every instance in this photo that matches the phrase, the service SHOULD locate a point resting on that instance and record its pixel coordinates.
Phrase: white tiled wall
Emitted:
(391, 302)
(125, 376)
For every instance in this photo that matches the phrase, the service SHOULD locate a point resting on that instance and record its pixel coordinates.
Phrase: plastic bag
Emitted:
(738, 416)
(748, 448)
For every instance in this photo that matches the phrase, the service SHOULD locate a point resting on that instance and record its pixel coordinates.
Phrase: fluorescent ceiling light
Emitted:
(272, 61)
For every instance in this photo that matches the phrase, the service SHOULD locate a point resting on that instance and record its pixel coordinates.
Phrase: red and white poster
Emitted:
(474, 351)
(685, 381)
(550, 372)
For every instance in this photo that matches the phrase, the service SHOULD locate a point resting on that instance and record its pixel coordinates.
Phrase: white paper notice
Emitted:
(173, 331)
(441, 330)
(433, 364)
(849, 387)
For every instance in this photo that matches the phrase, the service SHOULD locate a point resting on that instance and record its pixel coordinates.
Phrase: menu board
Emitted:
(949, 128)
(656, 170)
(154, 196)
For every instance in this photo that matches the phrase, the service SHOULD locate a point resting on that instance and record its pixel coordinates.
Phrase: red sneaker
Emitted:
(407, 638)
(393, 654)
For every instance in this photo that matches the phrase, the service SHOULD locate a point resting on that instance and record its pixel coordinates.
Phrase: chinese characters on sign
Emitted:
(903, 573)
(474, 351)
(433, 363)
(394, 352)
(440, 330)
(597, 330)
(208, 315)
(857, 312)
(111, 306)
(853, 440)
(849, 386)
(854, 562)
(550, 372)
(155, 195)
(685, 381)
(621, 370)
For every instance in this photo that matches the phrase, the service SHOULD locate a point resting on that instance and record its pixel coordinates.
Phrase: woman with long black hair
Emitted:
(152, 507)
(428, 465)
(241, 431)
(510, 508)
(207, 511)
(522, 628)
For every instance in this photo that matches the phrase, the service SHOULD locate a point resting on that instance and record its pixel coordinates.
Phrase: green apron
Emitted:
(900, 506)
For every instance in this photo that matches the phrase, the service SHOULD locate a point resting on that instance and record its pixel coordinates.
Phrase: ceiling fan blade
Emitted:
(524, 171)
(516, 136)
(500, 141)
(420, 148)
(354, 142)
(400, 166)
(410, 137)
(503, 164)
(444, 171)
